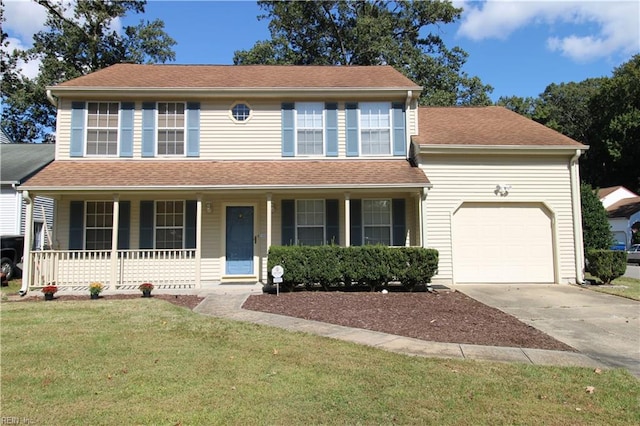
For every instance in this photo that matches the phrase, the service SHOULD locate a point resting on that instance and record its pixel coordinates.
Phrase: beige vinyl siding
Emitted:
(63, 130)
(473, 178)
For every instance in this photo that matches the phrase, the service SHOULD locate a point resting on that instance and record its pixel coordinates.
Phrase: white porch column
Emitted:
(28, 237)
(423, 220)
(420, 237)
(269, 221)
(114, 242)
(347, 219)
(198, 241)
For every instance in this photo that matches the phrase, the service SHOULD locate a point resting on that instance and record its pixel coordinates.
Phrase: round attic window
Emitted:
(241, 112)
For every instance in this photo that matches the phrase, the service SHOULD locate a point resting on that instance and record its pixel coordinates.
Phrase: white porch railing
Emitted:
(79, 268)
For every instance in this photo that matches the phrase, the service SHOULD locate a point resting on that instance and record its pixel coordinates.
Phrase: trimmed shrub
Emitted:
(607, 265)
(352, 268)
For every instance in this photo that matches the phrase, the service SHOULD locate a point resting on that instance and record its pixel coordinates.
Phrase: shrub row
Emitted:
(607, 265)
(371, 268)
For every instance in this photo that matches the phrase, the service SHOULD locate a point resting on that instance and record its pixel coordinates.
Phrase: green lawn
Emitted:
(144, 361)
(623, 286)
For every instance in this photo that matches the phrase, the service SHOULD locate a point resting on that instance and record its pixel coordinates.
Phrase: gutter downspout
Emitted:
(407, 104)
(18, 229)
(26, 253)
(578, 241)
(52, 100)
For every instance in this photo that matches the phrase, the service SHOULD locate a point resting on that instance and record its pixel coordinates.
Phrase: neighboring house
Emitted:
(18, 162)
(186, 175)
(623, 211)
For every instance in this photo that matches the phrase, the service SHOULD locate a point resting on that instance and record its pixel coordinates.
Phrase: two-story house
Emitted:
(186, 175)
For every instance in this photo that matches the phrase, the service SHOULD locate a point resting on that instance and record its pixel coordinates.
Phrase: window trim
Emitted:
(233, 117)
(87, 128)
(158, 128)
(390, 225)
(155, 223)
(86, 223)
(361, 128)
(324, 219)
(322, 128)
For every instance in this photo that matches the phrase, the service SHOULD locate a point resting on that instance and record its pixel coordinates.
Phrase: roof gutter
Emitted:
(52, 100)
(504, 149)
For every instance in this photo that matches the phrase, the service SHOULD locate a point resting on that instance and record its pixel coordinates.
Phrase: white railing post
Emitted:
(347, 219)
(198, 255)
(114, 242)
(28, 236)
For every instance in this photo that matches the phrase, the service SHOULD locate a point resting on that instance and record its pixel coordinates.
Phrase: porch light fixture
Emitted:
(502, 190)
(207, 206)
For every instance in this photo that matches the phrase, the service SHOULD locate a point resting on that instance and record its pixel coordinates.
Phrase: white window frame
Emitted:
(299, 106)
(248, 116)
(99, 128)
(324, 219)
(388, 225)
(106, 226)
(160, 128)
(362, 128)
(157, 227)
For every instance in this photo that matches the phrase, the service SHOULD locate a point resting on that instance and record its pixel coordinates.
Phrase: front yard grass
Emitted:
(623, 286)
(145, 361)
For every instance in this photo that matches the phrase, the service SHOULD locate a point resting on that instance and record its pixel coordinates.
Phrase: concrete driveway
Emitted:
(603, 327)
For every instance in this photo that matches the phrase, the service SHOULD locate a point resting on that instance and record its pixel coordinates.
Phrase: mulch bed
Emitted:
(186, 301)
(450, 317)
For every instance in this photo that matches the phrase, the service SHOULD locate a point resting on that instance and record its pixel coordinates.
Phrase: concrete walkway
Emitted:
(225, 301)
(604, 327)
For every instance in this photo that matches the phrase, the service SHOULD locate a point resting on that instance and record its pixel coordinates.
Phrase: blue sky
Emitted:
(518, 47)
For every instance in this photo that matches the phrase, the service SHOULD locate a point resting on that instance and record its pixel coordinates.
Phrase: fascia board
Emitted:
(502, 149)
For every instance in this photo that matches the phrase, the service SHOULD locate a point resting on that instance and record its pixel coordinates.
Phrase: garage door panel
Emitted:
(503, 244)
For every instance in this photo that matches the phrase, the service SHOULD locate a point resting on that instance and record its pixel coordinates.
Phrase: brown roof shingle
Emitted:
(242, 76)
(491, 125)
(624, 208)
(130, 175)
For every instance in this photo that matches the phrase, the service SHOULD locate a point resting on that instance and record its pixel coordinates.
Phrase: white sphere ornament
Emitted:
(385, 291)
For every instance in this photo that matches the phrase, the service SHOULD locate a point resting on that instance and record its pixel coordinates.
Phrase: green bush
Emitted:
(607, 265)
(360, 268)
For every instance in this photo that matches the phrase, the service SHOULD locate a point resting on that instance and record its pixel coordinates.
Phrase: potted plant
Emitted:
(49, 291)
(95, 289)
(146, 288)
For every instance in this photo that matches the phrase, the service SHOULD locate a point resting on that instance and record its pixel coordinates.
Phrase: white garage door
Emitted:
(502, 244)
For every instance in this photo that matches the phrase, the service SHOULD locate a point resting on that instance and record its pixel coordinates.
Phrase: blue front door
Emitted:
(239, 240)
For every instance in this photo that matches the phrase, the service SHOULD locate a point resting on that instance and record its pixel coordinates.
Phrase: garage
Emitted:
(503, 243)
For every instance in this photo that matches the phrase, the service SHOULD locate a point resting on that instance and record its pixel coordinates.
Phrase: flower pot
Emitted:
(146, 293)
(48, 296)
(95, 296)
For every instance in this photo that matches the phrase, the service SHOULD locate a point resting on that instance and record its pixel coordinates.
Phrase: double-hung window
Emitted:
(99, 228)
(375, 128)
(171, 128)
(310, 222)
(376, 220)
(169, 229)
(309, 128)
(102, 128)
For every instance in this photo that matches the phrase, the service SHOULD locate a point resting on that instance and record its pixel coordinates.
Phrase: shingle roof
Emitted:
(624, 208)
(242, 76)
(20, 160)
(129, 175)
(603, 192)
(491, 125)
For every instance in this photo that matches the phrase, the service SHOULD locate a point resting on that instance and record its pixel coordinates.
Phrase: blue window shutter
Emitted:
(124, 226)
(190, 224)
(288, 222)
(193, 129)
(351, 119)
(333, 221)
(76, 225)
(288, 129)
(146, 224)
(356, 222)
(399, 134)
(77, 129)
(127, 110)
(398, 218)
(148, 129)
(331, 128)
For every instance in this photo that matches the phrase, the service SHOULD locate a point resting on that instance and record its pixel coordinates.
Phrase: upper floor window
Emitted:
(310, 222)
(309, 128)
(99, 228)
(240, 112)
(102, 128)
(171, 128)
(376, 221)
(169, 227)
(375, 128)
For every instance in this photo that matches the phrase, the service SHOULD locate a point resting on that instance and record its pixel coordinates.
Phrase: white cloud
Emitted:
(613, 26)
(23, 18)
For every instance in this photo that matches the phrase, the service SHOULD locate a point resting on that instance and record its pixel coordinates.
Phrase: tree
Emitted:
(596, 231)
(614, 156)
(523, 106)
(74, 45)
(374, 32)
